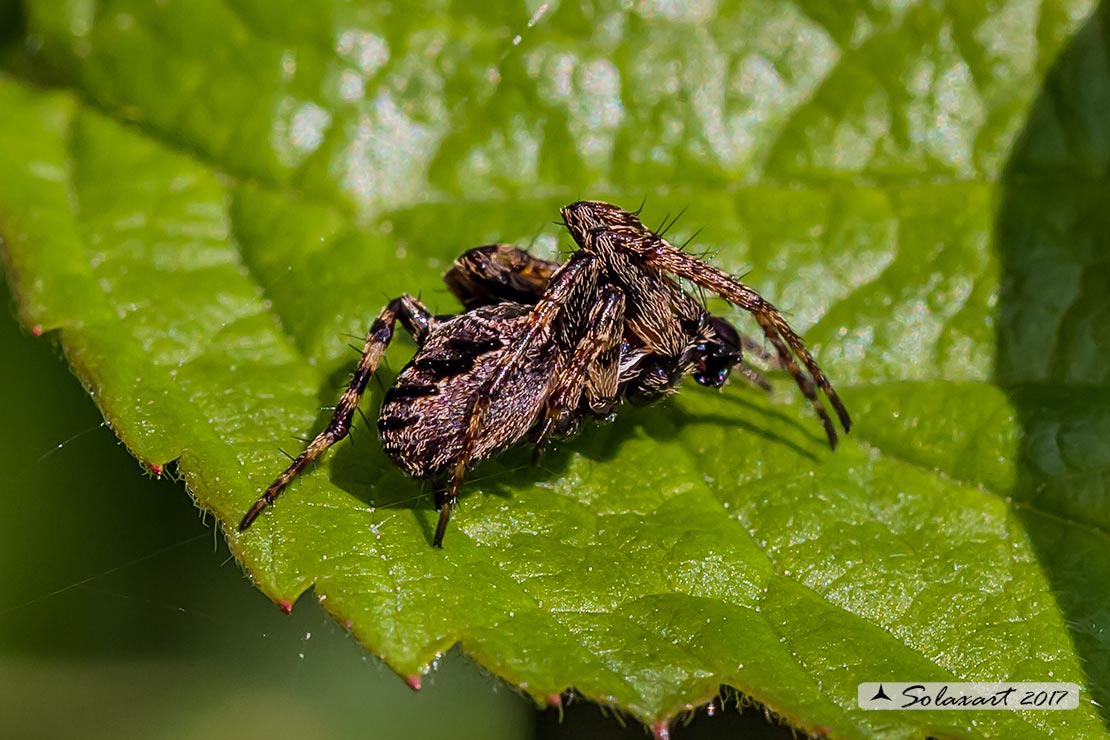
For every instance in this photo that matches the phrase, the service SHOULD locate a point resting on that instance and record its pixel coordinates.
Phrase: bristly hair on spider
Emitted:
(543, 345)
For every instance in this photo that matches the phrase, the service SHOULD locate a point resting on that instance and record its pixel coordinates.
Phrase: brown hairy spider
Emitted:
(542, 345)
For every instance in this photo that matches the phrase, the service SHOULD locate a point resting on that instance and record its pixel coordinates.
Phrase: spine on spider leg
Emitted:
(279, 485)
(337, 430)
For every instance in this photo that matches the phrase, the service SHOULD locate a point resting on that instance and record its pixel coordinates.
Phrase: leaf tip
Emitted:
(286, 606)
(554, 700)
(661, 729)
(414, 681)
(37, 330)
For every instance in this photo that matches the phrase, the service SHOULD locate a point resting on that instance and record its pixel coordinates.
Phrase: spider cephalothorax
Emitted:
(543, 345)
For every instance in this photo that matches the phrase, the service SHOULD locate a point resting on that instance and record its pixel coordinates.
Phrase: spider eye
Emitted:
(712, 361)
(712, 379)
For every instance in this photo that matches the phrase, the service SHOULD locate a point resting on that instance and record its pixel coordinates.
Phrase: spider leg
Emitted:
(494, 273)
(592, 370)
(755, 378)
(752, 346)
(661, 255)
(418, 321)
(602, 385)
(571, 289)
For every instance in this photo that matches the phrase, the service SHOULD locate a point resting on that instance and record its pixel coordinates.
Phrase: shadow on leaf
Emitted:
(359, 466)
(1053, 237)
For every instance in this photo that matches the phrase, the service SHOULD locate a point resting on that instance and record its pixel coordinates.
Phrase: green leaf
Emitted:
(206, 202)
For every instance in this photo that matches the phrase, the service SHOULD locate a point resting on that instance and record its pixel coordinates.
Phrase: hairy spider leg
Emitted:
(664, 256)
(568, 292)
(501, 272)
(603, 382)
(593, 369)
(417, 321)
(753, 347)
(756, 378)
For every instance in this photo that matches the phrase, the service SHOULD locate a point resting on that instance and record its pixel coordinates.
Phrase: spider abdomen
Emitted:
(422, 423)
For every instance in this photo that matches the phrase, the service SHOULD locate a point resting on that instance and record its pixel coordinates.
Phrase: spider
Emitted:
(542, 345)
